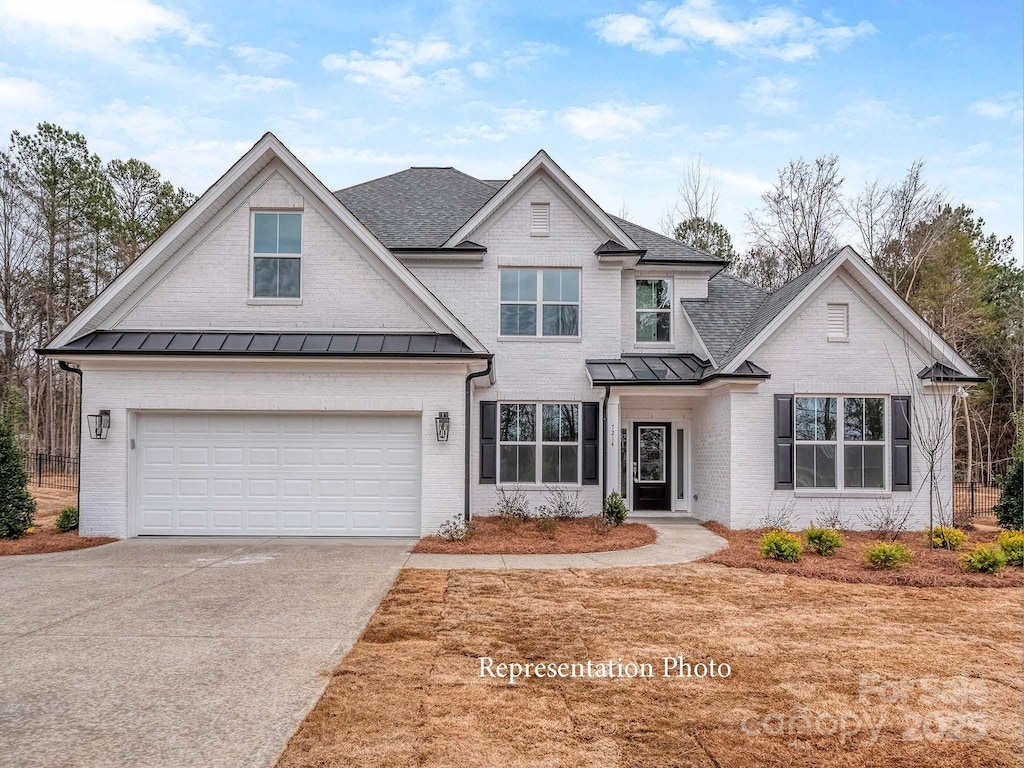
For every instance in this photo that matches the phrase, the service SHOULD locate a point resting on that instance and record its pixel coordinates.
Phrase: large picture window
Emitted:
(653, 310)
(549, 454)
(834, 454)
(277, 276)
(540, 302)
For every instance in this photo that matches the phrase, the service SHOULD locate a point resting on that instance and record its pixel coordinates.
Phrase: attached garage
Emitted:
(293, 474)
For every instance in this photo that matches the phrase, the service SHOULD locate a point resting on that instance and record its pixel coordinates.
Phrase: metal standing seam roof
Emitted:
(260, 344)
(661, 369)
(943, 373)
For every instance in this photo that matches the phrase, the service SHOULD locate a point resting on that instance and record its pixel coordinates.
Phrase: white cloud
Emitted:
(400, 65)
(261, 58)
(612, 120)
(521, 119)
(776, 32)
(771, 96)
(480, 69)
(241, 85)
(95, 25)
(18, 94)
(1009, 105)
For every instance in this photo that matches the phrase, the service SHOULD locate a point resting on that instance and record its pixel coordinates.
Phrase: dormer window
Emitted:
(540, 219)
(653, 311)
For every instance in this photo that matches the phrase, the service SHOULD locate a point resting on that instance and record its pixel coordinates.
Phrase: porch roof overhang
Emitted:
(940, 373)
(659, 370)
(266, 345)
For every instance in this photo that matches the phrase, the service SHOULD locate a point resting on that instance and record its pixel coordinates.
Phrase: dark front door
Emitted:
(652, 460)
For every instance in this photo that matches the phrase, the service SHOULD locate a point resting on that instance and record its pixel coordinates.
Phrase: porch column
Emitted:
(611, 446)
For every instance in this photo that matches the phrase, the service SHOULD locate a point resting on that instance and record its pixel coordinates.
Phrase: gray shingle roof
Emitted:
(261, 344)
(661, 248)
(723, 315)
(418, 207)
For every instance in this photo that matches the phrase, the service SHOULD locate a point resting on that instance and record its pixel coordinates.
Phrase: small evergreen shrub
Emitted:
(17, 507)
(946, 537)
(780, 545)
(1012, 544)
(887, 555)
(824, 541)
(614, 509)
(984, 558)
(456, 529)
(67, 520)
(1009, 510)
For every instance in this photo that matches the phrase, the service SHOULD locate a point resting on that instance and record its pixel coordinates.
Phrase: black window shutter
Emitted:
(591, 443)
(901, 442)
(784, 442)
(488, 442)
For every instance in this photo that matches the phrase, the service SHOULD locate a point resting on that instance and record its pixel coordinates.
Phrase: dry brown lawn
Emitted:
(583, 535)
(45, 537)
(410, 693)
(928, 568)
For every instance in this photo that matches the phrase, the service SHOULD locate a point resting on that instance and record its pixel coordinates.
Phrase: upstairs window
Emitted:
(540, 219)
(540, 302)
(277, 255)
(653, 310)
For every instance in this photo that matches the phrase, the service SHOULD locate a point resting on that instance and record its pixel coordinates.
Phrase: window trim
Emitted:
(667, 310)
(253, 299)
(539, 303)
(539, 442)
(840, 444)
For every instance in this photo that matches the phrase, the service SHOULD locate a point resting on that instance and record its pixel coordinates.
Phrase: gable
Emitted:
(217, 204)
(207, 283)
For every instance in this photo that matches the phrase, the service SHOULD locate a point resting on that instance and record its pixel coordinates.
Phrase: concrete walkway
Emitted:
(680, 540)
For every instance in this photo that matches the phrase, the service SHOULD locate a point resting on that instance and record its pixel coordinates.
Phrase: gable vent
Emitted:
(838, 321)
(540, 218)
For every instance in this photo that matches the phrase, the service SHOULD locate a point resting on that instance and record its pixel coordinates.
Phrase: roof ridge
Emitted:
(370, 181)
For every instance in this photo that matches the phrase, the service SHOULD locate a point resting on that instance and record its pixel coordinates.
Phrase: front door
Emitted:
(652, 460)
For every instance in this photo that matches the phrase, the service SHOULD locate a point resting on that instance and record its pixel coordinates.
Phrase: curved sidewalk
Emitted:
(679, 541)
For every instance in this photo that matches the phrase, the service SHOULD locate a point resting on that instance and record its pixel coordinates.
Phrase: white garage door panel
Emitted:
(300, 475)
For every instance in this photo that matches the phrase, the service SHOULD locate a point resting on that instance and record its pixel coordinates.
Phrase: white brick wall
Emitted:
(210, 287)
(711, 441)
(802, 361)
(254, 386)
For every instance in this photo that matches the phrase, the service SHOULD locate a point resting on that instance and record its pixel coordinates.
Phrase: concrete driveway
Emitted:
(177, 651)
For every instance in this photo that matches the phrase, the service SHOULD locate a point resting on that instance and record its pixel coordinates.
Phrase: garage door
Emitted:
(292, 474)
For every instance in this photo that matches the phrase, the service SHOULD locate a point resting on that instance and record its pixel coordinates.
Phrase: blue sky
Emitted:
(623, 95)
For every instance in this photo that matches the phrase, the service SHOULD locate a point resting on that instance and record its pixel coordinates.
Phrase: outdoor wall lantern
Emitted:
(442, 422)
(99, 425)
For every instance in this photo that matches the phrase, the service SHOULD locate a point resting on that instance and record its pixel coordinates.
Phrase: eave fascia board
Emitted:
(542, 160)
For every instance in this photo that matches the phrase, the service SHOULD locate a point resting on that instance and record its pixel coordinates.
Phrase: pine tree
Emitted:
(16, 504)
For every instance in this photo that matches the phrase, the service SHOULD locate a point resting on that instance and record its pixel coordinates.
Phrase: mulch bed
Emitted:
(572, 537)
(45, 537)
(929, 567)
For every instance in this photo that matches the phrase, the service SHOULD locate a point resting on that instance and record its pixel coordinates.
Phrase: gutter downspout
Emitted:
(78, 372)
(469, 429)
(604, 437)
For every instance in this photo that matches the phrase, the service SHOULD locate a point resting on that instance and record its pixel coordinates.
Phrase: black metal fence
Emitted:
(49, 471)
(975, 499)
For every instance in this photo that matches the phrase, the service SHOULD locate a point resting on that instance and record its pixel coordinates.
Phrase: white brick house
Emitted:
(282, 359)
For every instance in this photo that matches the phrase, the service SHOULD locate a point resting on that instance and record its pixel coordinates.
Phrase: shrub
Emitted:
(67, 520)
(887, 555)
(563, 503)
(887, 518)
(946, 537)
(824, 541)
(780, 545)
(780, 518)
(1012, 544)
(614, 509)
(17, 506)
(511, 507)
(1009, 510)
(455, 529)
(984, 558)
(830, 515)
